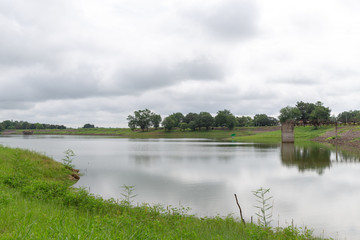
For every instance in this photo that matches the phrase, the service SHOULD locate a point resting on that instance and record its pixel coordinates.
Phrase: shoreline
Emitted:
(347, 138)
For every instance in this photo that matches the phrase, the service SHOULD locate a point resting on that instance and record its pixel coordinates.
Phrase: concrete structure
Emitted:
(287, 132)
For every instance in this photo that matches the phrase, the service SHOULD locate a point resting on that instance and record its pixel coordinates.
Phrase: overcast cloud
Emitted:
(73, 62)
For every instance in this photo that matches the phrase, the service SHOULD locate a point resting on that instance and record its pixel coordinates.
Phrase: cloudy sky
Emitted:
(73, 62)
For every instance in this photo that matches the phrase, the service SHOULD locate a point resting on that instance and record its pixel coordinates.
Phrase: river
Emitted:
(311, 185)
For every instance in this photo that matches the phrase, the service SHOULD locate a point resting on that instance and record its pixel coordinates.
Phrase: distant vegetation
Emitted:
(144, 119)
(12, 125)
(307, 113)
(303, 113)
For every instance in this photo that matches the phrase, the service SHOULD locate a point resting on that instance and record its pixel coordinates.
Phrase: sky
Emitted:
(73, 62)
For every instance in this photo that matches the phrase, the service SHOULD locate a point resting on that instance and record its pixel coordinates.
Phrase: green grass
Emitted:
(38, 202)
(152, 133)
(300, 134)
(244, 134)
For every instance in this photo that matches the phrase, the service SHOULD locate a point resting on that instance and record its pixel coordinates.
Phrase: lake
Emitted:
(311, 185)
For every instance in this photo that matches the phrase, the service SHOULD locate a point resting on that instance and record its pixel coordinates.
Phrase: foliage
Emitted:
(68, 158)
(289, 113)
(128, 194)
(305, 110)
(190, 117)
(183, 126)
(193, 125)
(320, 114)
(225, 118)
(179, 118)
(143, 119)
(10, 124)
(264, 120)
(245, 121)
(205, 120)
(169, 122)
(307, 113)
(155, 120)
(88, 125)
(265, 208)
(349, 116)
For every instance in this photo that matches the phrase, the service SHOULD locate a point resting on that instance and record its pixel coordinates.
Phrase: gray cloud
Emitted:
(144, 78)
(229, 20)
(295, 80)
(65, 61)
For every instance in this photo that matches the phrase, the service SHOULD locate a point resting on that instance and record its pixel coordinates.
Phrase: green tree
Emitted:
(179, 117)
(305, 110)
(169, 122)
(155, 120)
(264, 120)
(225, 119)
(88, 125)
(1, 127)
(193, 125)
(244, 121)
(191, 117)
(320, 114)
(205, 120)
(289, 113)
(349, 116)
(141, 118)
(183, 126)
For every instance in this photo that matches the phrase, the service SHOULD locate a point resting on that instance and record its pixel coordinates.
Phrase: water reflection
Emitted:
(311, 158)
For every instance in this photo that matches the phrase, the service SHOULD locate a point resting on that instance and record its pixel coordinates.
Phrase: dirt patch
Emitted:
(348, 137)
(8, 132)
(266, 129)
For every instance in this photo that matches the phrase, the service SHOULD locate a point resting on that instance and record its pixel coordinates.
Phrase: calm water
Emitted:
(312, 185)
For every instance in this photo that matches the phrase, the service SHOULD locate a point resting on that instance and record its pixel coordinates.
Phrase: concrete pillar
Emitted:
(287, 132)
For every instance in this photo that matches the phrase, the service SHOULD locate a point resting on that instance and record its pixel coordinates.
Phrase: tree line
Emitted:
(316, 114)
(145, 119)
(10, 124)
(303, 113)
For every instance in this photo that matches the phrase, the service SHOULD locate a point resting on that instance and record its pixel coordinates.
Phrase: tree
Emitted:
(305, 110)
(141, 118)
(155, 120)
(169, 122)
(1, 127)
(264, 120)
(179, 117)
(225, 119)
(349, 116)
(205, 120)
(193, 125)
(244, 121)
(131, 122)
(190, 117)
(289, 113)
(320, 114)
(88, 125)
(183, 126)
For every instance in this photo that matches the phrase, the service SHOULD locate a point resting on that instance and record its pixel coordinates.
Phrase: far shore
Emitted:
(347, 137)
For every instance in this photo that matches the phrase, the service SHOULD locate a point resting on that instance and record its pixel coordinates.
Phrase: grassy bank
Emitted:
(301, 134)
(38, 202)
(244, 134)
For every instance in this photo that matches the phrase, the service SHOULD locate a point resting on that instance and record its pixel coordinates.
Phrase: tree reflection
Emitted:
(311, 158)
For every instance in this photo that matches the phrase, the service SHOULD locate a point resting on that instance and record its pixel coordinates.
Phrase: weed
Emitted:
(68, 159)
(128, 194)
(265, 209)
